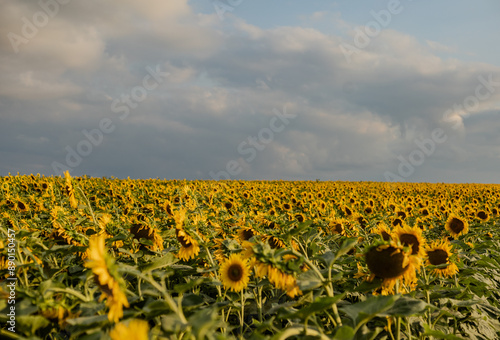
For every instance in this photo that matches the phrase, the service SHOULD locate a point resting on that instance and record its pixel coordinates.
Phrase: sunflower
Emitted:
(336, 226)
(278, 278)
(275, 242)
(21, 206)
(235, 273)
(390, 262)
(246, 233)
(70, 191)
(135, 330)
(483, 216)
(397, 221)
(383, 230)
(106, 277)
(411, 237)
(189, 246)
(456, 225)
(144, 230)
(439, 253)
(299, 217)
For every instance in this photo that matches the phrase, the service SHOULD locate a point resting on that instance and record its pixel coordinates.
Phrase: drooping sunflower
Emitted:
(70, 191)
(390, 262)
(456, 225)
(235, 273)
(147, 231)
(278, 278)
(106, 277)
(135, 330)
(439, 253)
(275, 242)
(189, 246)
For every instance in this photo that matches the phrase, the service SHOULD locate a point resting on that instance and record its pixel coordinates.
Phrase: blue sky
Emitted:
(470, 28)
(294, 90)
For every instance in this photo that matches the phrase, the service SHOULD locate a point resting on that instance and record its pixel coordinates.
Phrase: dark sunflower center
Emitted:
(437, 257)
(140, 231)
(482, 215)
(247, 234)
(235, 272)
(385, 236)
(182, 239)
(385, 263)
(362, 222)
(338, 228)
(410, 240)
(275, 243)
(299, 218)
(396, 222)
(456, 225)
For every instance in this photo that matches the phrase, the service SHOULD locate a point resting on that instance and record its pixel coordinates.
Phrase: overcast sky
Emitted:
(251, 89)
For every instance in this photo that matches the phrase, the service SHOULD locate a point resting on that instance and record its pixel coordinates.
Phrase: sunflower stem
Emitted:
(329, 287)
(408, 328)
(90, 208)
(427, 296)
(242, 319)
(398, 318)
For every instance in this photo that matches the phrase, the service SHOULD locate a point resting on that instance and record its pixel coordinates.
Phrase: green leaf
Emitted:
(405, 306)
(319, 305)
(190, 301)
(204, 322)
(346, 246)
(344, 333)
(328, 257)
(164, 261)
(184, 287)
(88, 320)
(362, 312)
(32, 322)
(172, 323)
(308, 280)
(155, 308)
(439, 334)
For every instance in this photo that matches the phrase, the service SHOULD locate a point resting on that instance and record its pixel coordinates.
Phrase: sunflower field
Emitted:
(108, 258)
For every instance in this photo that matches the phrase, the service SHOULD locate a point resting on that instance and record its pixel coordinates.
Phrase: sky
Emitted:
(251, 89)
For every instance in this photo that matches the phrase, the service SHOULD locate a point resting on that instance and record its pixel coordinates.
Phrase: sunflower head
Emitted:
(456, 225)
(383, 230)
(189, 246)
(483, 216)
(235, 273)
(439, 253)
(411, 237)
(106, 277)
(387, 261)
(136, 329)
